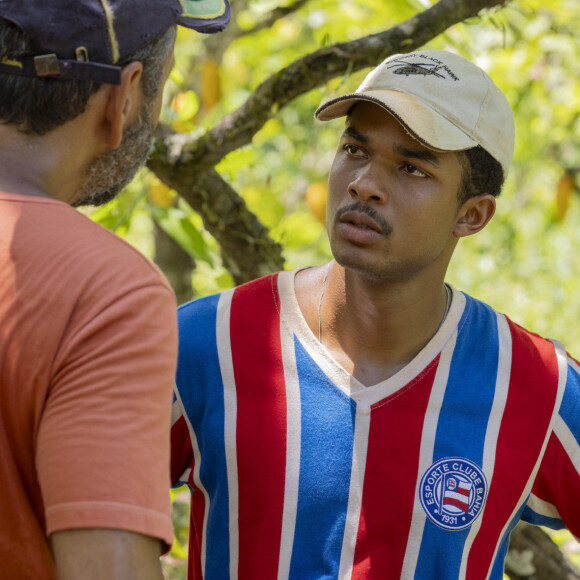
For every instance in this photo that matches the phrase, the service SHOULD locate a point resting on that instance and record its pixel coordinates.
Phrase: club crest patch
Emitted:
(453, 492)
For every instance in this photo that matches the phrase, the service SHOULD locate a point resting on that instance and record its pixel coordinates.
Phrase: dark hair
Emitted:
(38, 105)
(482, 173)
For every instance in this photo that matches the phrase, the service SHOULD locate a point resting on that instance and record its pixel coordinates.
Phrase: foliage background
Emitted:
(526, 262)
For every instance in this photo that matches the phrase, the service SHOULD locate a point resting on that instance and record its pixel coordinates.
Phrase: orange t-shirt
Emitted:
(87, 359)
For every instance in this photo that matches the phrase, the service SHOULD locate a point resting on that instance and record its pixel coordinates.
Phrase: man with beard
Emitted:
(363, 419)
(87, 324)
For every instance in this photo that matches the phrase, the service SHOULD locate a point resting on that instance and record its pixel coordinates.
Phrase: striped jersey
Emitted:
(300, 472)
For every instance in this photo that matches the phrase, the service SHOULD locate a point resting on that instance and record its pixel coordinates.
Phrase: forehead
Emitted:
(377, 120)
(372, 124)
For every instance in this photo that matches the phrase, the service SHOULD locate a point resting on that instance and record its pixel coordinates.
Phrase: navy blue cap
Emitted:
(85, 39)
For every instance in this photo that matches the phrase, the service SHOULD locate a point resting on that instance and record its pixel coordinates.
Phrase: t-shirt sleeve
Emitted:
(554, 498)
(103, 443)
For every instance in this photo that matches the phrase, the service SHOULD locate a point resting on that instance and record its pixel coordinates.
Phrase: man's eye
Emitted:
(412, 170)
(352, 149)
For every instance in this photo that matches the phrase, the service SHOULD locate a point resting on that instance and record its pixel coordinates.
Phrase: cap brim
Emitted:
(422, 122)
(206, 16)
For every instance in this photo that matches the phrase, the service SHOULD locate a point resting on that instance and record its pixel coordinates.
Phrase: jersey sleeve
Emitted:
(103, 443)
(554, 501)
(181, 448)
(198, 370)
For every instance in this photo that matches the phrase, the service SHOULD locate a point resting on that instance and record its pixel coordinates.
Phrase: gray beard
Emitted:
(109, 173)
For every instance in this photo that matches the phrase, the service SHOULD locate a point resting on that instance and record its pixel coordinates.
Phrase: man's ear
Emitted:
(474, 215)
(124, 103)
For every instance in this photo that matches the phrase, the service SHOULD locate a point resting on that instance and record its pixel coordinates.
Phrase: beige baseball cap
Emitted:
(443, 100)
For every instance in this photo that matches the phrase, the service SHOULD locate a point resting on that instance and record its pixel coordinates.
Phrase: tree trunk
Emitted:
(176, 264)
(532, 555)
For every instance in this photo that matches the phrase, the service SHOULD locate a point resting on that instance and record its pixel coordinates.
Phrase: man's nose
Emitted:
(368, 185)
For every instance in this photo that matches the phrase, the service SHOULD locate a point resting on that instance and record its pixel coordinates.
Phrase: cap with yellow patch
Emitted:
(91, 39)
(206, 16)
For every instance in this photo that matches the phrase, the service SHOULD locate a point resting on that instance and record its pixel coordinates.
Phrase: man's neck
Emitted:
(373, 330)
(22, 166)
(51, 165)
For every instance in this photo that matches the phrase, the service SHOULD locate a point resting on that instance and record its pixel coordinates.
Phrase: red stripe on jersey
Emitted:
(559, 482)
(530, 402)
(181, 450)
(196, 520)
(392, 462)
(261, 425)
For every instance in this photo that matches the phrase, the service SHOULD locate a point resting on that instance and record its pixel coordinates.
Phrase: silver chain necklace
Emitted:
(320, 301)
(447, 303)
(447, 306)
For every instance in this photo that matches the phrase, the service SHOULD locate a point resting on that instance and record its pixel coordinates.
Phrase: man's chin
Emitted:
(100, 188)
(98, 198)
(111, 172)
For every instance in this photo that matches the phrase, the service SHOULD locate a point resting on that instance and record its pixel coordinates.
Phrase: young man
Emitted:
(364, 419)
(87, 325)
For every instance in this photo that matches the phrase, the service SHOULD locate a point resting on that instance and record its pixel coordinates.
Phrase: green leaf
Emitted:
(176, 223)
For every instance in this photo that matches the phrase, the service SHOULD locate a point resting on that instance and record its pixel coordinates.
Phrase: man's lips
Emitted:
(361, 220)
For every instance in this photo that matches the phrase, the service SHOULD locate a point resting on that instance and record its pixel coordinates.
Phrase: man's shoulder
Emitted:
(46, 230)
(524, 342)
(252, 290)
(201, 320)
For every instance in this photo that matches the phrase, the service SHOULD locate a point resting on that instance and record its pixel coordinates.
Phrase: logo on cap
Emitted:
(427, 67)
(413, 68)
(453, 492)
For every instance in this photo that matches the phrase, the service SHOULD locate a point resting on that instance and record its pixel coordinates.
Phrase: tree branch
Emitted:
(314, 70)
(185, 163)
(216, 44)
(247, 250)
(273, 17)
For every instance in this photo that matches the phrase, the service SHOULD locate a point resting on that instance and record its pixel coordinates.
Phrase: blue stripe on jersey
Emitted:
(201, 388)
(462, 426)
(532, 517)
(498, 564)
(570, 408)
(325, 468)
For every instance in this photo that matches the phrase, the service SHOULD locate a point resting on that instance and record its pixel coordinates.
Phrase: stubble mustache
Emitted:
(360, 206)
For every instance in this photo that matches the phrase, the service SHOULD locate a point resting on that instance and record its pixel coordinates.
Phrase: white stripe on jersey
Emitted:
(568, 442)
(426, 456)
(176, 410)
(542, 507)
(562, 377)
(176, 414)
(224, 349)
(196, 479)
(358, 470)
(493, 425)
(293, 437)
